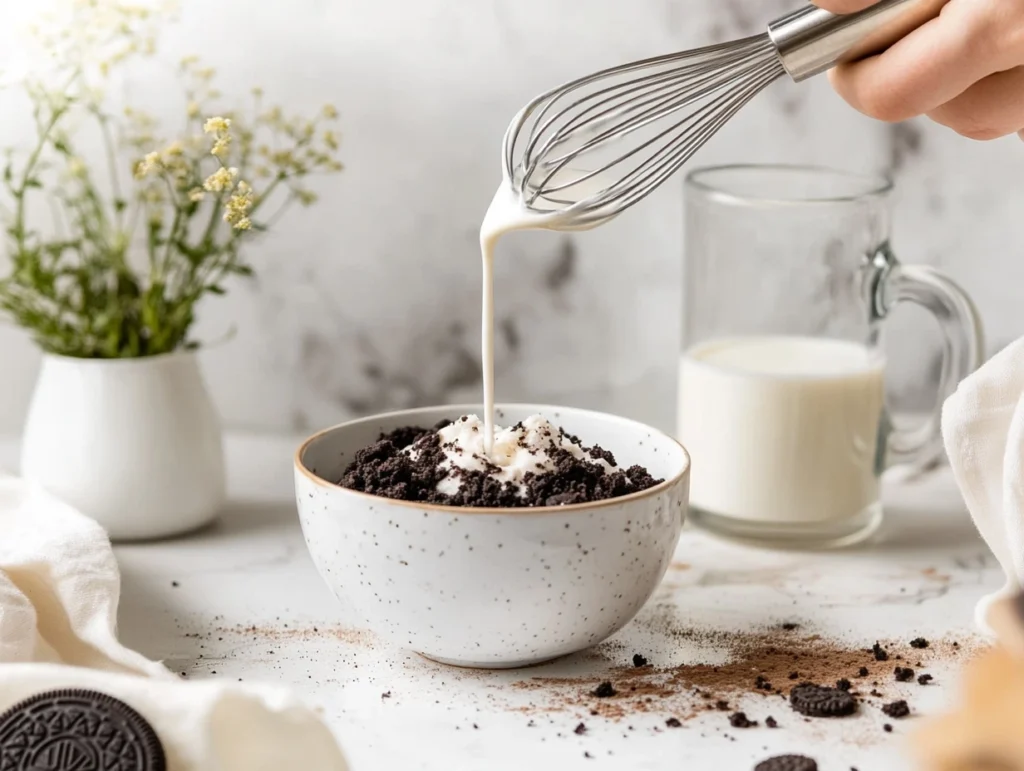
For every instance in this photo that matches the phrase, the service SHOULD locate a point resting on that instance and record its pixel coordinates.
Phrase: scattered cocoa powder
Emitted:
(756, 659)
(283, 632)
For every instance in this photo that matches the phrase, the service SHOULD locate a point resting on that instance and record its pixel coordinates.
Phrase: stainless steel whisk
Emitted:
(593, 147)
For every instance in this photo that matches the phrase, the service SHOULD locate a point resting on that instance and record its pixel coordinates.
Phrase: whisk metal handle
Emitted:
(811, 40)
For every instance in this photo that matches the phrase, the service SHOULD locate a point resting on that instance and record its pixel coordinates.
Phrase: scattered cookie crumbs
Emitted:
(896, 709)
(771, 722)
(762, 684)
(880, 653)
(673, 722)
(924, 679)
(903, 674)
(604, 690)
(887, 728)
(843, 684)
(175, 584)
(722, 705)
(863, 672)
(580, 729)
(919, 642)
(386, 695)
(639, 661)
(587, 755)
(740, 720)
(794, 675)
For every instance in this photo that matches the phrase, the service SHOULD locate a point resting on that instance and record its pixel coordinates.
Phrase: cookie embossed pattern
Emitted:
(77, 729)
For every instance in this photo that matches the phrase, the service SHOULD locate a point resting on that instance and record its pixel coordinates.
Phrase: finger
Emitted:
(931, 66)
(844, 6)
(991, 108)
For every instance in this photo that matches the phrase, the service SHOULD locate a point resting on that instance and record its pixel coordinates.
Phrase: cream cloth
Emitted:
(983, 430)
(59, 590)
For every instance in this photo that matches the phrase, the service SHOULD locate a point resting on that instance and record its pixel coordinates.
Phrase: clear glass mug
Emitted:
(788, 278)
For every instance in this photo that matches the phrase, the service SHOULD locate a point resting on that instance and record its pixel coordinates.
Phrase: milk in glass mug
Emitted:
(788, 279)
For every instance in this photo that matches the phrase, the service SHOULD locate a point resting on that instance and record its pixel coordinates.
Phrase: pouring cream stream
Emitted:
(506, 214)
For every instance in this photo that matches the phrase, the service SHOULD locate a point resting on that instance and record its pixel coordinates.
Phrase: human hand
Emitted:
(964, 70)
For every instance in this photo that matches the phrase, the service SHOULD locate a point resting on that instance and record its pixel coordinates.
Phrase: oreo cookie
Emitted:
(815, 700)
(787, 763)
(78, 728)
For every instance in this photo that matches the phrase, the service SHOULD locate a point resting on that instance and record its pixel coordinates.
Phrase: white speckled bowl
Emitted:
(493, 588)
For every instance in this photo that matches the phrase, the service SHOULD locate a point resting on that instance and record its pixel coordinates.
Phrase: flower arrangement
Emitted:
(111, 260)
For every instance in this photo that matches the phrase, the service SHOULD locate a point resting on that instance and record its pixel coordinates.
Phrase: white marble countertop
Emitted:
(241, 599)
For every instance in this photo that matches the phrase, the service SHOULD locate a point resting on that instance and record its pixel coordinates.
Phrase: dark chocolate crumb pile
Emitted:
(605, 690)
(815, 700)
(639, 661)
(673, 722)
(919, 642)
(771, 722)
(881, 654)
(383, 469)
(787, 763)
(924, 679)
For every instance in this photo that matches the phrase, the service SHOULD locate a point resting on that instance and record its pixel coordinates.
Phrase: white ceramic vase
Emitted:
(133, 443)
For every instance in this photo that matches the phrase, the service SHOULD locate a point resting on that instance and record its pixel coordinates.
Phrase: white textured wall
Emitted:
(370, 299)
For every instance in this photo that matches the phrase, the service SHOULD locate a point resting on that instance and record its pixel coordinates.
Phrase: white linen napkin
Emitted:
(59, 590)
(983, 430)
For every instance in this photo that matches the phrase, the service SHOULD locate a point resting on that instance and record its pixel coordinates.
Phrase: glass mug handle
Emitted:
(917, 449)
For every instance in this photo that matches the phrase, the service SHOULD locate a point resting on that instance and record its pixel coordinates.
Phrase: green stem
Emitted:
(115, 182)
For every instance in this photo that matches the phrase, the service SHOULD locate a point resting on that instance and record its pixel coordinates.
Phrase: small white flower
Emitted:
(217, 125)
(221, 146)
(149, 164)
(77, 168)
(196, 194)
(236, 210)
(220, 180)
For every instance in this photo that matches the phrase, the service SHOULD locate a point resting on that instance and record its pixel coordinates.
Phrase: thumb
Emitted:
(844, 6)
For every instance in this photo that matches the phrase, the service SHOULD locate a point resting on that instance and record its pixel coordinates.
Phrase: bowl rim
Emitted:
(464, 409)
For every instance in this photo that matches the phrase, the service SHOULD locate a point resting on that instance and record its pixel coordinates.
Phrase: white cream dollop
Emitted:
(517, 451)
